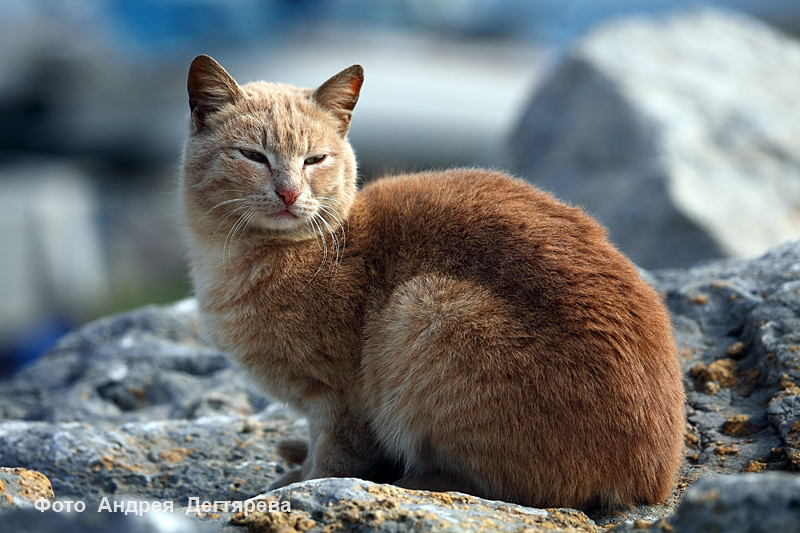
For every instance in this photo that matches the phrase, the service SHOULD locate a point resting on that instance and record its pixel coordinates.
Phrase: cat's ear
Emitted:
(210, 88)
(340, 94)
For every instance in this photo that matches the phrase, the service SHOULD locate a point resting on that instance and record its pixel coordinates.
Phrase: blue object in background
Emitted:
(175, 26)
(32, 343)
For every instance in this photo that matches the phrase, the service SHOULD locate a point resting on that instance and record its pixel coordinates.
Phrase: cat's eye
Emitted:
(313, 160)
(253, 156)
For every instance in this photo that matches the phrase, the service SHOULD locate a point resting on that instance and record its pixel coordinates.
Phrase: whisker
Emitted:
(332, 212)
(332, 200)
(231, 235)
(226, 217)
(335, 215)
(335, 243)
(341, 206)
(322, 237)
(250, 217)
(340, 216)
(324, 249)
(226, 202)
(314, 233)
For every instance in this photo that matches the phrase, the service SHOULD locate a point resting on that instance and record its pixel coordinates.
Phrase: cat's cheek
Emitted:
(325, 181)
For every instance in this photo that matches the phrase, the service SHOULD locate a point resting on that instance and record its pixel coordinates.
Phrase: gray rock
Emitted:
(20, 487)
(681, 135)
(744, 503)
(348, 504)
(737, 324)
(150, 364)
(216, 458)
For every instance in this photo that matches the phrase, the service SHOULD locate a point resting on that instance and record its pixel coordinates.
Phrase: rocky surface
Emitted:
(738, 326)
(147, 365)
(353, 505)
(680, 134)
(766, 503)
(20, 487)
(137, 406)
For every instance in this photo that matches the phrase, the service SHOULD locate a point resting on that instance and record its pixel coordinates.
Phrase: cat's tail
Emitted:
(293, 451)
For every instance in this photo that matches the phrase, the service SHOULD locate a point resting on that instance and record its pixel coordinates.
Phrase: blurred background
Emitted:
(93, 114)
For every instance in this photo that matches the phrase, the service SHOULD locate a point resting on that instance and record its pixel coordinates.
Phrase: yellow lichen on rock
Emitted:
(738, 426)
(18, 484)
(175, 454)
(330, 506)
(720, 373)
(294, 522)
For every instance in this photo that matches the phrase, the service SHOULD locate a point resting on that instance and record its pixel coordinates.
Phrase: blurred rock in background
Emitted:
(93, 115)
(681, 134)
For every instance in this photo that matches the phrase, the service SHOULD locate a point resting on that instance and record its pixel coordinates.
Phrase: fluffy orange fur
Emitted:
(456, 330)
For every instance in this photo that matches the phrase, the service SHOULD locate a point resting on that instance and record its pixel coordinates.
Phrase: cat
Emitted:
(455, 330)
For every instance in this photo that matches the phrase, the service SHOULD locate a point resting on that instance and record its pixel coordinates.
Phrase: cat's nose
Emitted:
(288, 196)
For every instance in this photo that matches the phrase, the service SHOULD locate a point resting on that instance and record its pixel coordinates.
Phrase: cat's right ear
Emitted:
(210, 88)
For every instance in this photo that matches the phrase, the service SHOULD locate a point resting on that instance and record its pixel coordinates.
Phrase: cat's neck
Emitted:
(257, 256)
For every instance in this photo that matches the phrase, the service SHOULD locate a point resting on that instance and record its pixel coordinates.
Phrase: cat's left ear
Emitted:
(210, 88)
(340, 94)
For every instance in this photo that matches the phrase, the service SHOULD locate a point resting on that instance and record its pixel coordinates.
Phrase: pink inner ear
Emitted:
(355, 84)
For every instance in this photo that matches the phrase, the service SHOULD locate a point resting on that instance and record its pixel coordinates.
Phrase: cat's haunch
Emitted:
(456, 330)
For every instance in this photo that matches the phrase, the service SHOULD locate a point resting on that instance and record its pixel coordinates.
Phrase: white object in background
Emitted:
(51, 254)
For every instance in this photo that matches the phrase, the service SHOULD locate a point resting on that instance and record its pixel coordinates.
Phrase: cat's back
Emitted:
(498, 231)
(470, 198)
(474, 208)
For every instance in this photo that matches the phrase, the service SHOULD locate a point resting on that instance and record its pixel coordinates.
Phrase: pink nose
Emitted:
(288, 196)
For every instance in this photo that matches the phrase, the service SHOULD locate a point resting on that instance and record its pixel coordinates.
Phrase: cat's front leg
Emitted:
(342, 448)
(294, 452)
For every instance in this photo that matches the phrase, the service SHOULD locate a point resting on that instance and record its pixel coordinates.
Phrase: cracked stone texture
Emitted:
(349, 504)
(737, 324)
(20, 487)
(150, 364)
(757, 504)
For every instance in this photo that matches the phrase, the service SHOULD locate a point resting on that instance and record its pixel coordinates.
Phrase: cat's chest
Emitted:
(284, 307)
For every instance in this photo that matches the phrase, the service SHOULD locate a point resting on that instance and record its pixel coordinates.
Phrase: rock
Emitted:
(348, 504)
(742, 503)
(138, 406)
(147, 365)
(738, 328)
(20, 487)
(216, 458)
(680, 134)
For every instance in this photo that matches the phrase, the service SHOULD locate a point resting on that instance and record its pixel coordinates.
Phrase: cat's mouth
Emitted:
(286, 219)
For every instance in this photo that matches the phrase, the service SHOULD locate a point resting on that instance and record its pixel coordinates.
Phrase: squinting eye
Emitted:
(253, 156)
(315, 159)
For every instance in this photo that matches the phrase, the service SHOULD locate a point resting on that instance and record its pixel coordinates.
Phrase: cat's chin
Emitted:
(283, 226)
(282, 221)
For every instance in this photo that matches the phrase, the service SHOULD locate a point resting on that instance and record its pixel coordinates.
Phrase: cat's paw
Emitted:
(293, 451)
(293, 476)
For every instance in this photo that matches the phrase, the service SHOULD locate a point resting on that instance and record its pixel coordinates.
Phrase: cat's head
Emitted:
(271, 158)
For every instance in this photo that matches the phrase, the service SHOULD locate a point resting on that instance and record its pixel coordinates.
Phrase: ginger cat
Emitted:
(458, 330)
